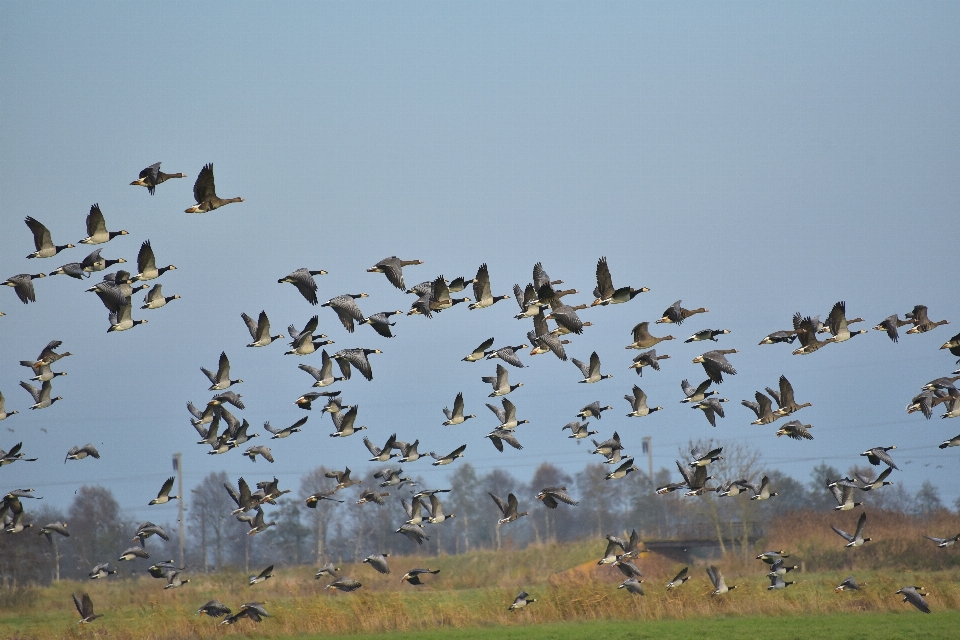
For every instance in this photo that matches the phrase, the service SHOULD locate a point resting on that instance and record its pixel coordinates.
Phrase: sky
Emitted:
(756, 159)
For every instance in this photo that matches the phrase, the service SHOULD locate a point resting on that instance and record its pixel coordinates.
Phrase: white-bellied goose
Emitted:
(413, 576)
(72, 269)
(787, 337)
(324, 375)
(261, 450)
(121, 310)
(711, 408)
(41, 396)
(415, 510)
(507, 415)
(344, 584)
(52, 528)
(621, 471)
(772, 556)
(880, 481)
(258, 525)
(707, 334)
(392, 267)
(357, 358)
(593, 410)
(702, 458)
(681, 577)
(283, 433)
(303, 342)
(85, 609)
(553, 496)
(528, 301)
(214, 609)
(879, 454)
(647, 359)
(952, 442)
(4, 414)
(777, 582)
(42, 240)
(837, 323)
(343, 478)
(9, 457)
(346, 309)
(413, 533)
(508, 355)
(381, 454)
(914, 597)
(638, 404)
(221, 380)
(303, 280)
(715, 364)
(436, 511)
(450, 457)
(152, 176)
(328, 569)
(101, 571)
(605, 293)
(500, 382)
(890, 326)
(844, 496)
(148, 529)
(698, 394)
(578, 430)
(480, 352)
(481, 290)
(632, 585)
(381, 322)
(132, 553)
(499, 436)
(566, 317)
(857, 539)
(205, 193)
(763, 407)
(795, 430)
(259, 330)
(23, 286)
(174, 581)
(675, 314)
(522, 599)
(763, 491)
(921, 323)
(372, 495)
(155, 298)
(147, 264)
(719, 584)
(591, 372)
(943, 543)
(806, 329)
(252, 610)
(97, 228)
(456, 416)
(508, 509)
(344, 423)
(164, 496)
(263, 576)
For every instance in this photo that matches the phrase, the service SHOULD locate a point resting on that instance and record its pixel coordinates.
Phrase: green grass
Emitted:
(855, 626)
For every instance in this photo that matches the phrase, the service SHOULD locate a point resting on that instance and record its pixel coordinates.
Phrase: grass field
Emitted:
(469, 599)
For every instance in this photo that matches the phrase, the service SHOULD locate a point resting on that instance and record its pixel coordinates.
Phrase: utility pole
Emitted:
(178, 467)
(648, 449)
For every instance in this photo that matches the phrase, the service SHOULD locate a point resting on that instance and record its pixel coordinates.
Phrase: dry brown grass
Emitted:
(474, 590)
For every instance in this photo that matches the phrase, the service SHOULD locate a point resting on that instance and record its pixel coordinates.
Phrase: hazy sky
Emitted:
(756, 159)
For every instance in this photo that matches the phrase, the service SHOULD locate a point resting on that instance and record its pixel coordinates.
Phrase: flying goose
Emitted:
(253, 452)
(844, 496)
(647, 359)
(79, 453)
(23, 286)
(522, 600)
(638, 402)
(344, 423)
(95, 262)
(508, 509)
(707, 334)
(677, 314)
(315, 499)
(890, 325)
(304, 342)
(303, 280)
(52, 528)
(779, 568)
(795, 430)
(258, 525)
(500, 382)
(481, 290)
(591, 372)
(384, 454)
(719, 584)
(553, 496)
(85, 609)
(545, 341)
(605, 293)
(163, 496)
(879, 454)
(715, 364)
(608, 446)
(252, 610)
(837, 323)
(450, 457)
(147, 264)
(346, 309)
(771, 557)
(763, 407)
(944, 382)
(45, 374)
(392, 477)
(97, 228)
(456, 416)
(780, 336)
(328, 569)
(324, 375)
(436, 511)
(593, 410)
(698, 394)
(72, 269)
(148, 529)
(151, 177)
(381, 322)
(9, 457)
(785, 400)
(763, 491)
(498, 436)
(711, 408)
(205, 193)
(681, 577)
(695, 480)
(174, 581)
(777, 582)
(4, 414)
(221, 380)
(943, 543)
(952, 442)
(953, 344)
(413, 576)
(880, 481)
(507, 415)
(214, 609)
(101, 571)
(42, 240)
(132, 553)
(566, 317)
(344, 584)
(260, 330)
(413, 532)
(642, 338)
(622, 470)
(415, 510)
(392, 267)
(914, 597)
(806, 329)
(632, 585)
(155, 298)
(121, 309)
(703, 458)
(283, 433)
(578, 430)
(921, 323)
(263, 576)
(343, 478)
(733, 488)
(857, 539)
(480, 352)
(357, 358)
(508, 355)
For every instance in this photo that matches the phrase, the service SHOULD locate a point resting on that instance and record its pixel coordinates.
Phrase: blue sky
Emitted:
(756, 159)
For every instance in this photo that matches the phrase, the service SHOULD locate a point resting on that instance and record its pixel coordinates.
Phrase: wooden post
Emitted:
(178, 467)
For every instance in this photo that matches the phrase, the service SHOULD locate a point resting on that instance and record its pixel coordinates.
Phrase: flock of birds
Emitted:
(540, 302)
